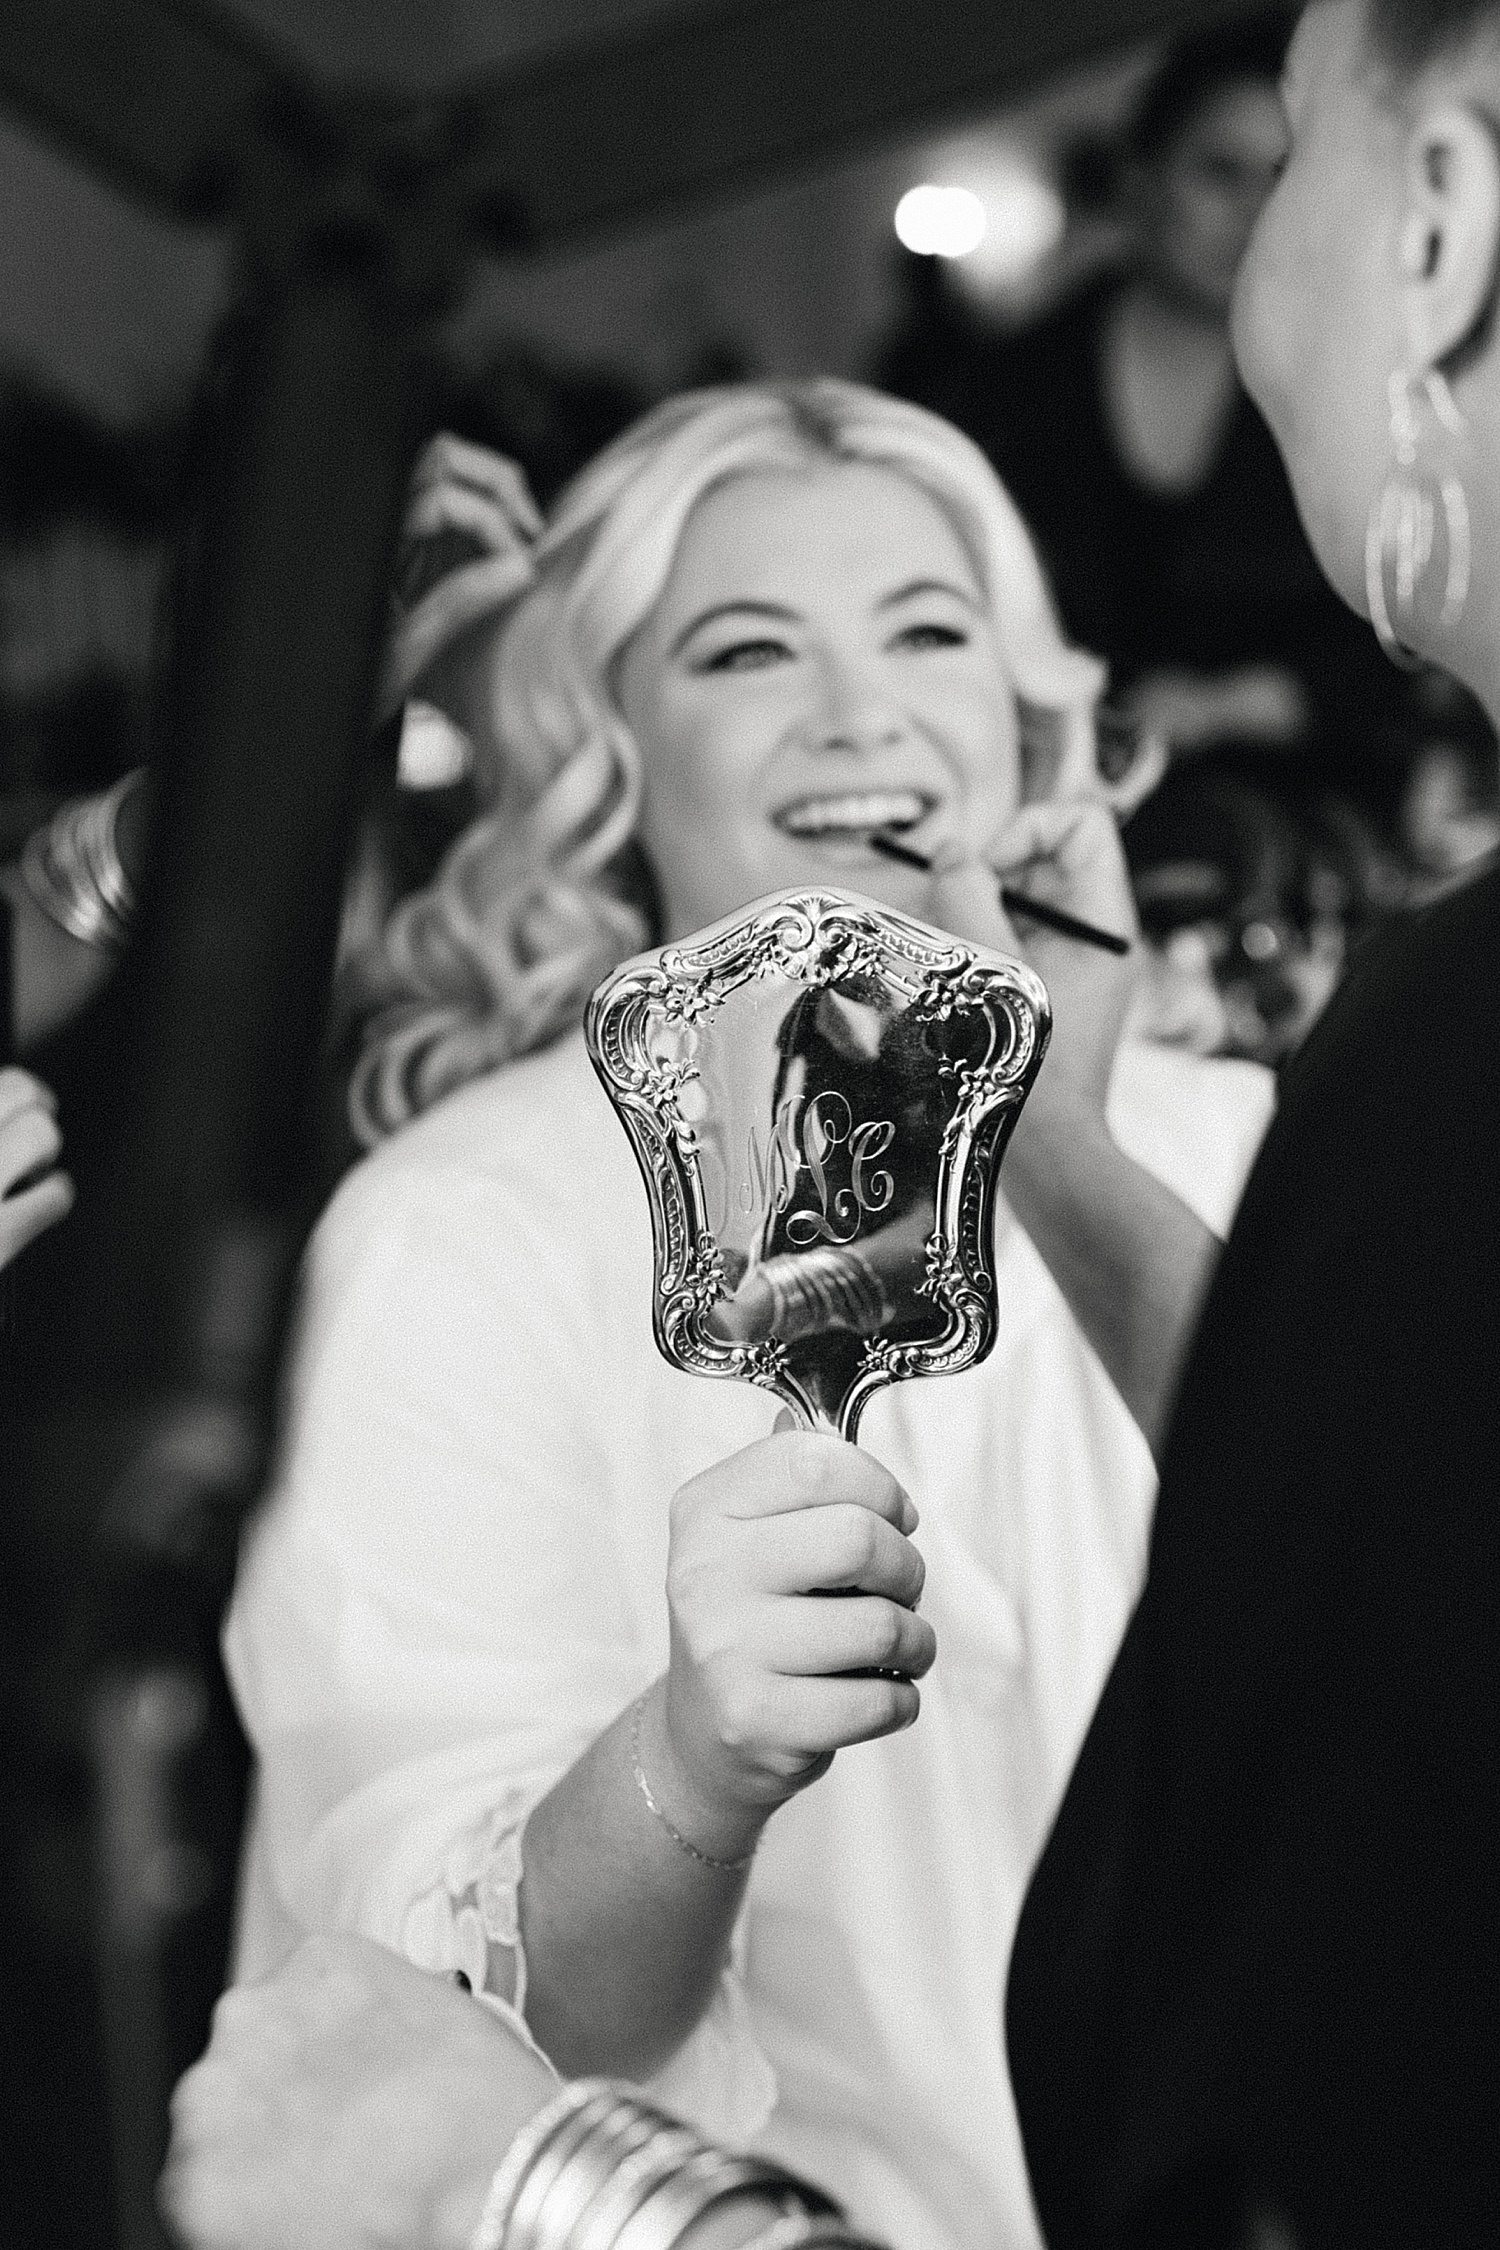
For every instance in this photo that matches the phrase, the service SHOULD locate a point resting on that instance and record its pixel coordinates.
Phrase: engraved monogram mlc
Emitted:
(818, 1091)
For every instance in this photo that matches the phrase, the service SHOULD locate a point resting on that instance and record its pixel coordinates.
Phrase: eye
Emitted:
(928, 633)
(745, 656)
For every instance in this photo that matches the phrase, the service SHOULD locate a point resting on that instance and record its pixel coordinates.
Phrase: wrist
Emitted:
(478, 2144)
(722, 1825)
(462, 2202)
(487, 2091)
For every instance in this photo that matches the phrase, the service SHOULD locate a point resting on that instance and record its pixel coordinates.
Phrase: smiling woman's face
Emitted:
(822, 663)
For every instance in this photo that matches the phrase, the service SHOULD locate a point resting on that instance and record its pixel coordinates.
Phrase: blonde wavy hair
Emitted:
(534, 902)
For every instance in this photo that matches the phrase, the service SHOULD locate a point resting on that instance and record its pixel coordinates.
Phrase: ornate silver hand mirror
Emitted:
(819, 1091)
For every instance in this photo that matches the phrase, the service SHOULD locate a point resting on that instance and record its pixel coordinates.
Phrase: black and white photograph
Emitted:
(749, 1125)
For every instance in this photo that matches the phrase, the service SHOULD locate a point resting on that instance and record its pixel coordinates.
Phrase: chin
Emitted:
(1338, 547)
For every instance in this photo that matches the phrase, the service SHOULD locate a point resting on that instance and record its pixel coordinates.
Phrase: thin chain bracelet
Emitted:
(704, 1859)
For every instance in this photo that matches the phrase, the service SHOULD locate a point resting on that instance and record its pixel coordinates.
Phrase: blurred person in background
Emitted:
(1150, 482)
(766, 622)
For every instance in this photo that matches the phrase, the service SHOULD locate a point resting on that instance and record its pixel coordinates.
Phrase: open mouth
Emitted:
(853, 816)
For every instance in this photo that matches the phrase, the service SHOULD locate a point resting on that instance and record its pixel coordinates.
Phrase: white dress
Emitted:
(457, 1583)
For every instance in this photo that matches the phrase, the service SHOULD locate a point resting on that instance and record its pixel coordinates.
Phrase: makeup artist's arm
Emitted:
(1131, 1259)
(54, 974)
(352, 2101)
(33, 1192)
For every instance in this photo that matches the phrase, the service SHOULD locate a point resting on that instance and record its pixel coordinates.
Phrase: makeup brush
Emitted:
(1014, 902)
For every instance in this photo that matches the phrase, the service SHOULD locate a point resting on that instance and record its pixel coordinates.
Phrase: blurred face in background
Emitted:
(823, 662)
(1201, 195)
(1318, 311)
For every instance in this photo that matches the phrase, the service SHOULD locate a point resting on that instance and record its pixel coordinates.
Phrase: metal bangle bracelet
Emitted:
(64, 895)
(525, 2212)
(521, 2159)
(830, 1287)
(98, 836)
(634, 2180)
(72, 868)
(597, 2160)
(524, 2150)
(704, 2180)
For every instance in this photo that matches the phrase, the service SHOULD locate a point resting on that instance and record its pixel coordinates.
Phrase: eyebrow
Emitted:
(744, 608)
(778, 611)
(927, 586)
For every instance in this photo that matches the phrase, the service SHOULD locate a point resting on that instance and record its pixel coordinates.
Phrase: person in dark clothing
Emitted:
(1256, 1975)
(1199, 588)
(1254, 1991)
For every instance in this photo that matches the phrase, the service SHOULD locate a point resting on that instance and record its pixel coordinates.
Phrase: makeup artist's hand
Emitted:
(768, 1677)
(32, 1192)
(1067, 855)
(349, 2101)
(465, 553)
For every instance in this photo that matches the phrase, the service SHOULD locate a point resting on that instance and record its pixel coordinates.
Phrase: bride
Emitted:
(669, 1827)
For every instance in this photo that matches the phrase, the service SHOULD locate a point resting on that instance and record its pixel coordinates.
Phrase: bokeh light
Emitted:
(941, 222)
(1002, 218)
(434, 753)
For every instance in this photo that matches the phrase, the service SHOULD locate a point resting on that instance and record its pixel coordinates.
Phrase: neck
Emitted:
(1169, 393)
(1160, 307)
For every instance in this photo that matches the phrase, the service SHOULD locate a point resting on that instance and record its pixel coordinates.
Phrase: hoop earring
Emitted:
(1402, 529)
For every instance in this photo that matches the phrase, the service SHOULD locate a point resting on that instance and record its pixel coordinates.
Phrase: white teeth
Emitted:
(853, 814)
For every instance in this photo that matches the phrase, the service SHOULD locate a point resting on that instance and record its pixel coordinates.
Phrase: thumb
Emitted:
(966, 900)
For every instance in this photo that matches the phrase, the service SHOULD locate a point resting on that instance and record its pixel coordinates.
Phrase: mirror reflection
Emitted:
(819, 1091)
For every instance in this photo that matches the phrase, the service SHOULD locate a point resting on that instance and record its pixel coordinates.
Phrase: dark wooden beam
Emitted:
(594, 137)
(166, 98)
(153, 96)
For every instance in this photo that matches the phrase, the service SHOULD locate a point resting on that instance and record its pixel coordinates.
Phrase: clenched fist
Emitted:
(793, 1585)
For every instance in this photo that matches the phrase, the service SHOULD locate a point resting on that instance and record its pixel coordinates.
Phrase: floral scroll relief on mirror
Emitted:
(819, 1091)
